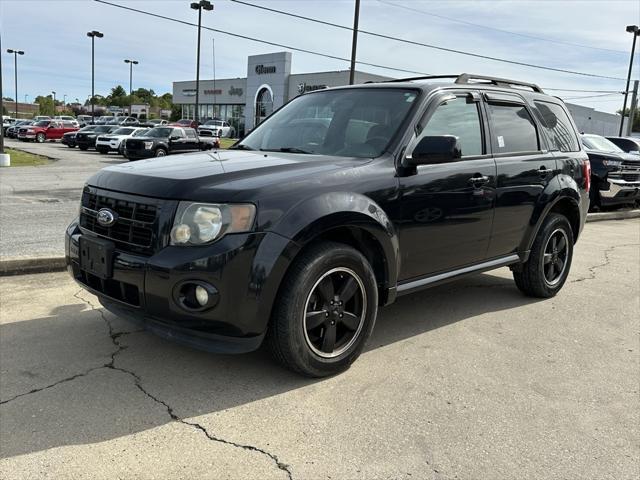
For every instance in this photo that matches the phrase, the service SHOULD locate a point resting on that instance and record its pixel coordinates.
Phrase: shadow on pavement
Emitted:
(103, 403)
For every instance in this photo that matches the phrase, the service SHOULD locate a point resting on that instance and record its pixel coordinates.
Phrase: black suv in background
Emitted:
(627, 144)
(338, 203)
(615, 174)
(86, 138)
(161, 141)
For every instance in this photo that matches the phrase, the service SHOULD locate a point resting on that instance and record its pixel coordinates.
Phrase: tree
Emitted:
(45, 105)
(176, 113)
(4, 110)
(635, 126)
(8, 99)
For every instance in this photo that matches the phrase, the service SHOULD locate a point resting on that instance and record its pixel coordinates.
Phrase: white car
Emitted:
(113, 142)
(219, 128)
(67, 118)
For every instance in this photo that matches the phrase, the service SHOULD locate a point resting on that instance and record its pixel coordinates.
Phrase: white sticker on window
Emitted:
(500, 141)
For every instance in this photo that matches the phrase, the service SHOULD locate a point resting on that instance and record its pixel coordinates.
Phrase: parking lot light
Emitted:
(93, 34)
(131, 64)
(633, 29)
(54, 103)
(201, 5)
(15, 63)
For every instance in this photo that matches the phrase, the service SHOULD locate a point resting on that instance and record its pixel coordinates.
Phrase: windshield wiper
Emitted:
(240, 147)
(285, 150)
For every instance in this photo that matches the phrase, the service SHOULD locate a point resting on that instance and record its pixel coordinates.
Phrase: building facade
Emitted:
(269, 84)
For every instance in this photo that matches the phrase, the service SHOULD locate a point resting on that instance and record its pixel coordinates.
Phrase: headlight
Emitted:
(31, 130)
(148, 145)
(612, 163)
(200, 223)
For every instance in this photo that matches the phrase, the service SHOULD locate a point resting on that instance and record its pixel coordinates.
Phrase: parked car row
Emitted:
(138, 142)
(615, 170)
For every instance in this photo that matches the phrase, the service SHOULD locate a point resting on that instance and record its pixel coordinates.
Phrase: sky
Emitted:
(581, 35)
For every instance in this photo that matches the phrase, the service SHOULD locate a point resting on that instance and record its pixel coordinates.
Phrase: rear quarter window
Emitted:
(558, 127)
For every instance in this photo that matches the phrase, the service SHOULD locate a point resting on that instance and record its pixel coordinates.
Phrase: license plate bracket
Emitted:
(96, 256)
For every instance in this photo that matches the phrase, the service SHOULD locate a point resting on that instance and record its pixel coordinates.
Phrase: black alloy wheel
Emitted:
(555, 256)
(335, 312)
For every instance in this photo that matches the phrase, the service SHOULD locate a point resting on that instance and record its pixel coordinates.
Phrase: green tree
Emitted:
(8, 99)
(45, 105)
(4, 110)
(635, 126)
(176, 113)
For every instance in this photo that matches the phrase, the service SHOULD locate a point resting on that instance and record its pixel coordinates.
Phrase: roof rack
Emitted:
(468, 78)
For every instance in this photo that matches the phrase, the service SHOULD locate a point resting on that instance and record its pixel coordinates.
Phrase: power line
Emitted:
(427, 45)
(245, 37)
(524, 35)
(594, 96)
(580, 90)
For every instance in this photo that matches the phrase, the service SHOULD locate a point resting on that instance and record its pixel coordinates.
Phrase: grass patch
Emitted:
(227, 142)
(24, 159)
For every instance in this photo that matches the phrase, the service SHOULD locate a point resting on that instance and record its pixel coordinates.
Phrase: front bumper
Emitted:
(619, 191)
(26, 136)
(241, 267)
(138, 154)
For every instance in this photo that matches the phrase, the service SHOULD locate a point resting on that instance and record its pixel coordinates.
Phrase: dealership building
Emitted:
(245, 102)
(269, 84)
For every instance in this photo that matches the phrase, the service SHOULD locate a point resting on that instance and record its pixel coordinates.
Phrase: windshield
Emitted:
(103, 129)
(159, 132)
(345, 123)
(89, 128)
(42, 123)
(123, 131)
(595, 142)
(142, 133)
(216, 123)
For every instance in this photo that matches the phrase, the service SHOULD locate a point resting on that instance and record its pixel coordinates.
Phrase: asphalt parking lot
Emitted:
(468, 381)
(36, 203)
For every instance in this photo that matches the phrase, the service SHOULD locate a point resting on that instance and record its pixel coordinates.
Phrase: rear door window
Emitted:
(513, 129)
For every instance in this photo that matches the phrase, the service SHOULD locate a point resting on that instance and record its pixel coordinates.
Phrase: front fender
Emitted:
(317, 215)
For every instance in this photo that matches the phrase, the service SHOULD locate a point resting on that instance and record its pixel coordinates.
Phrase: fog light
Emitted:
(202, 296)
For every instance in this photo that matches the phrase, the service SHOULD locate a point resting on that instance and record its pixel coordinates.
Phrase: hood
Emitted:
(625, 157)
(221, 176)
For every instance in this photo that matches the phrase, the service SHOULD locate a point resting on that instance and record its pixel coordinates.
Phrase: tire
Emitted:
(160, 152)
(83, 148)
(70, 146)
(320, 273)
(533, 278)
(41, 138)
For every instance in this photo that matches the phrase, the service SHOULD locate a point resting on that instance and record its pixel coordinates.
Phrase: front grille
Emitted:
(103, 139)
(22, 130)
(630, 177)
(125, 292)
(135, 144)
(133, 231)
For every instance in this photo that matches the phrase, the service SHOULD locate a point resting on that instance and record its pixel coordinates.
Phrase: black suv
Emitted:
(339, 202)
(86, 137)
(161, 141)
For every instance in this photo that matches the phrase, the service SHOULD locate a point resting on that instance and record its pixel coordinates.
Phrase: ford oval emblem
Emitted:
(106, 217)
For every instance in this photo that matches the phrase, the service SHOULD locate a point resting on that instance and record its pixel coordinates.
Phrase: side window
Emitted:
(190, 133)
(558, 127)
(178, 132)
(461, 119)
(513, 129)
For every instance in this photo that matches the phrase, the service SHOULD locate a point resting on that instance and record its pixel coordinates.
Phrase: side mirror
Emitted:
(434, 150)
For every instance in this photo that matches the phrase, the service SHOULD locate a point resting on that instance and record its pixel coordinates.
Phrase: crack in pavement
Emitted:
(607, 261)
(115, 339)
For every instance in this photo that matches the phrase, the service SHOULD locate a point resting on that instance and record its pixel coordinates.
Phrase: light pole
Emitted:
(201, 5)
(25, 98)
(633, 29)
(93, 34)
(131, 64)
(54, 103)
(15, 64)
(64, 101)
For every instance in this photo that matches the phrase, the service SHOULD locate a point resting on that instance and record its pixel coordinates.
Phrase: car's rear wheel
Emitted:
(547, 268)
(325, 311)
(41, 137)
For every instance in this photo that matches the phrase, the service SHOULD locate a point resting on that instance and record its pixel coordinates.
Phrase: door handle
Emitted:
(478, 180)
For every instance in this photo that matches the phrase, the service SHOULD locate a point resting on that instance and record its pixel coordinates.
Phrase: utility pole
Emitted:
(1, 110)
(15, 64)
(634, 107)
(354, 43)
(633, 29)
(214, 77)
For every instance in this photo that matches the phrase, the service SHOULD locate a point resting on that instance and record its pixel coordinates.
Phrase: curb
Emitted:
(26, 265)
(602, 216)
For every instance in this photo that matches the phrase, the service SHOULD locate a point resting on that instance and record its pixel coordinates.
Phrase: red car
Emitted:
(46, 130)
(185, 122)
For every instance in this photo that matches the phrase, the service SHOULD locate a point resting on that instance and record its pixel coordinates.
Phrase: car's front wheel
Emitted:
(547, 268)
(160, 152)
(40, 138)
(325, 310)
